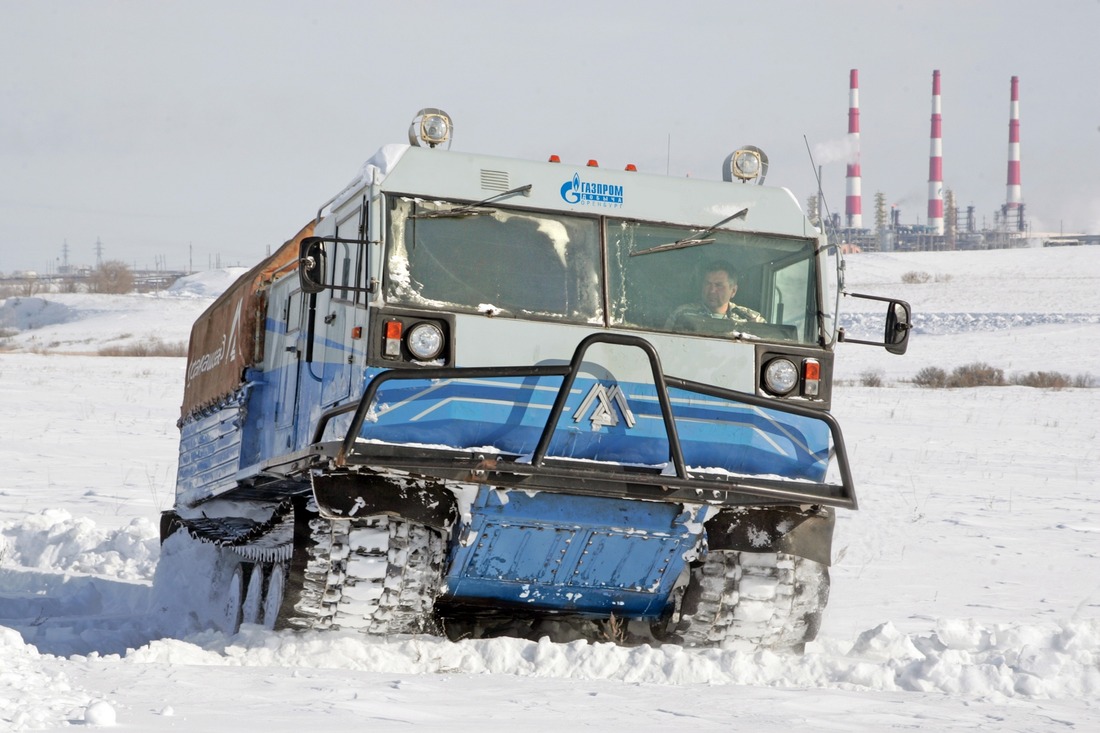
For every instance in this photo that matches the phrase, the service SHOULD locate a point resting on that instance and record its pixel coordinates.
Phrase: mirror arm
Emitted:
(896, 338)
(310, 261)
(881, 298)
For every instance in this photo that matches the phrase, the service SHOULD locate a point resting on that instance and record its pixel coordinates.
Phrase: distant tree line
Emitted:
(112, 277)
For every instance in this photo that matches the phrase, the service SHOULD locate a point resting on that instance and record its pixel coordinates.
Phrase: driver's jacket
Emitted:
(735, 314)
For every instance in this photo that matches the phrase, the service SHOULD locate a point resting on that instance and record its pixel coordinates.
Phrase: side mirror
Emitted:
(899, 322)
(311, 265)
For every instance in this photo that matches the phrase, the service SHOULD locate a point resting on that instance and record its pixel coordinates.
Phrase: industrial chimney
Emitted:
(1014, 199)
(935, 162)
(853, 203)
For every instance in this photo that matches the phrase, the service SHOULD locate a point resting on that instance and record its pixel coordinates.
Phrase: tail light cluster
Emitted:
(785, 376)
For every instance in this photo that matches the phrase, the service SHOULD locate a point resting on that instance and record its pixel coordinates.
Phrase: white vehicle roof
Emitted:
(444, 174)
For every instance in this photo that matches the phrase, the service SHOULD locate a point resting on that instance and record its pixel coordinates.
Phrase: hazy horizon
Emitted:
(208, 134)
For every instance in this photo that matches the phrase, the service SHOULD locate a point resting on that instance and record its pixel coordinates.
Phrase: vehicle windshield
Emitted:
(518, 263)
(545, 265)
(771, 278)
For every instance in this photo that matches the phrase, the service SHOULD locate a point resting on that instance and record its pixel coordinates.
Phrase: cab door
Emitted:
(286, 361)
(344, 310)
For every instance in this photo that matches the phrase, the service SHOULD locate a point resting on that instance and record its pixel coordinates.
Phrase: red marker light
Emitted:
(593, 164)
(631, 167)
(554, 159)
(391, 349)
(811, 377)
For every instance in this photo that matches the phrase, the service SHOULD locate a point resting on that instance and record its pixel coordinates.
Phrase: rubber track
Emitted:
(268, 541)
(379, 575)
(753, 600)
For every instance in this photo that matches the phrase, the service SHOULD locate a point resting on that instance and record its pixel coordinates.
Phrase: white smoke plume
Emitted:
(843, 149)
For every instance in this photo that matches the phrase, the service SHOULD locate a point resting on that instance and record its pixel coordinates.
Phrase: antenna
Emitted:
(823, 210)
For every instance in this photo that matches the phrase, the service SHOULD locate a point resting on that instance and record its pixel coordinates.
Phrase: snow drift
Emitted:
(965, 591)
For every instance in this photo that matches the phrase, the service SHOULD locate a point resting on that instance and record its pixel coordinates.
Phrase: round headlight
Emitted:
(425, 341)
(435, 129)
(780, 376)
(431, 127)
(747, 164)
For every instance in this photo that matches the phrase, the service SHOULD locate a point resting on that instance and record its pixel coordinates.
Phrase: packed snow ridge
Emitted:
(864, 325)
(130, 618)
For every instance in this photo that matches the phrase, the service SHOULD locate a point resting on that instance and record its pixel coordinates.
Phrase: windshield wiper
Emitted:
(470, 209)
(693, 240)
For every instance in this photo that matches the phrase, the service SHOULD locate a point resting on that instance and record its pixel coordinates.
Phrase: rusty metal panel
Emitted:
(229, 336)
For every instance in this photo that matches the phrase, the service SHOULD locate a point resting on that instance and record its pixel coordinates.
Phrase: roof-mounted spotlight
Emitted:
(746, 164)
(431, 127)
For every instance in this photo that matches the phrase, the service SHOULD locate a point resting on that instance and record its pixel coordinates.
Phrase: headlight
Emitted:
(425, 341)
(430, 127)
(435, 129)
(780, 376)
(746, 164)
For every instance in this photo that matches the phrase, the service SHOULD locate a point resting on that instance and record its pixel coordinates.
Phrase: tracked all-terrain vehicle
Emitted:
(479, 395)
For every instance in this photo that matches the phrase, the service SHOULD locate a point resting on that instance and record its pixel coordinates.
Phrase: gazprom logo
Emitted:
(587, 193)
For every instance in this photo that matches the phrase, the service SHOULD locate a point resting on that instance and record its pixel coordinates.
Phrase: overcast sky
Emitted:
(202, 133)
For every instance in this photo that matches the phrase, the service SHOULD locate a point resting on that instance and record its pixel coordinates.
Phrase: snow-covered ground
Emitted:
(966, 589)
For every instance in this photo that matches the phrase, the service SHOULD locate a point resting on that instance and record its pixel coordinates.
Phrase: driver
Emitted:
(716, 300)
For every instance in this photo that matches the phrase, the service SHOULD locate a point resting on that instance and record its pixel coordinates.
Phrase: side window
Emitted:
(292, 315)
(832, 282)
(342, 278)
(790, 303)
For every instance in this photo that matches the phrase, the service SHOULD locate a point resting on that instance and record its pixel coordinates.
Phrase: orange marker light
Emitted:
(811, 377)
(391, 349)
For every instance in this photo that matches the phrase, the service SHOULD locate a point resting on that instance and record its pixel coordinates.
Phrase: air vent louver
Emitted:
(494, 180)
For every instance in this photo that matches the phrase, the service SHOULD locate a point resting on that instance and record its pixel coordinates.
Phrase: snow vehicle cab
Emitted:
(479, 395)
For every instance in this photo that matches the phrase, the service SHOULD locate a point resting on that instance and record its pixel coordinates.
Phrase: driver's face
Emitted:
(718, 291)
